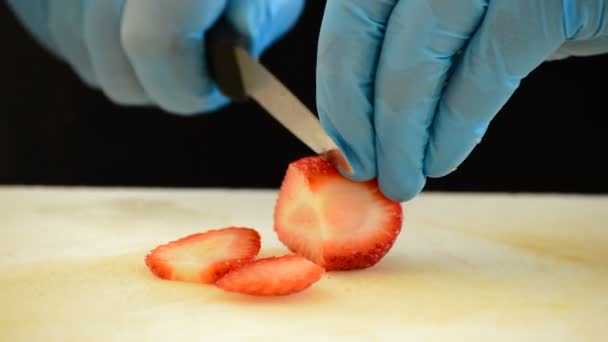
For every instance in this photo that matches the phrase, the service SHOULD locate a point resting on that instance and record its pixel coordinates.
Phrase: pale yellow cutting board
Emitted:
(466, 268)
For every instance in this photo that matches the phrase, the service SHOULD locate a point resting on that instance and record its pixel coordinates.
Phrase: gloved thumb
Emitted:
(263, 22)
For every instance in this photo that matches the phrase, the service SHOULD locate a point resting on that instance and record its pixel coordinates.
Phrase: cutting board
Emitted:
(467, 267)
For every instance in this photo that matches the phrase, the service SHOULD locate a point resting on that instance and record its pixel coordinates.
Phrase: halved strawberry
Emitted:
(204, 257)
(272, 276)
(335, 222)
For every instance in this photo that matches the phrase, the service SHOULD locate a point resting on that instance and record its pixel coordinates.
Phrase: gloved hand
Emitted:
(408, 88)
(150, 52)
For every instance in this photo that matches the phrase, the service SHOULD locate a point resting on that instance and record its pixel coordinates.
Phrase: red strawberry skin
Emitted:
(335, 222)
(272, 276)
(204, 257)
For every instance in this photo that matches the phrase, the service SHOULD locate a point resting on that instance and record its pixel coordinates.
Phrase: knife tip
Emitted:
(337, 159)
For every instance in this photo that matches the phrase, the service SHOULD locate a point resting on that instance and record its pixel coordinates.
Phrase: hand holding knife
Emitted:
(241, 77)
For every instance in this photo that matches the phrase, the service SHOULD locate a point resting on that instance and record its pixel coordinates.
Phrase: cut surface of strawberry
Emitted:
(204, 257)
(337, 223)
(272, 276)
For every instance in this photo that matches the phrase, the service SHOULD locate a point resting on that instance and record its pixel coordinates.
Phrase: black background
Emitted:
(53, 130)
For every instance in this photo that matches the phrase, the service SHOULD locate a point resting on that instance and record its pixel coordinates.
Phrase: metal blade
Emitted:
(273, 96)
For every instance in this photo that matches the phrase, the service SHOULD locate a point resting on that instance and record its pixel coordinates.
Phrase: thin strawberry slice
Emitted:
(204, 257)
(335, 222)
(272, 276)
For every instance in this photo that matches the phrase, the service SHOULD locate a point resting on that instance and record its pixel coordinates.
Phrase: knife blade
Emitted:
(242, 77)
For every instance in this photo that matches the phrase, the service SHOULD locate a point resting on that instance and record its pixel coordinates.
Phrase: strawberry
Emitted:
(204, 257)
(335, 222)
(272, 276)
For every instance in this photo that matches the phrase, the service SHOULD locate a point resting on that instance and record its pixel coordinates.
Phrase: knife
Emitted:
(241, 77)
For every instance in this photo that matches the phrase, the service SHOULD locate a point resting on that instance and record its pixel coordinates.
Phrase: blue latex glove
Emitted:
(150, 52)
(408, 88)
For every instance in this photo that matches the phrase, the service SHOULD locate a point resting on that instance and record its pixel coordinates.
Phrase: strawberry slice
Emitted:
(272, 276)
(204, 257)
(335, 222)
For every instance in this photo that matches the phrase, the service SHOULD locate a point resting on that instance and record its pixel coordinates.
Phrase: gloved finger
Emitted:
(66, 25)
(422, 40)
(580, 48)
(513, 39)
(262, 22)
(164, 41)
(116, 77)
(34, 15)
(349, 44)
